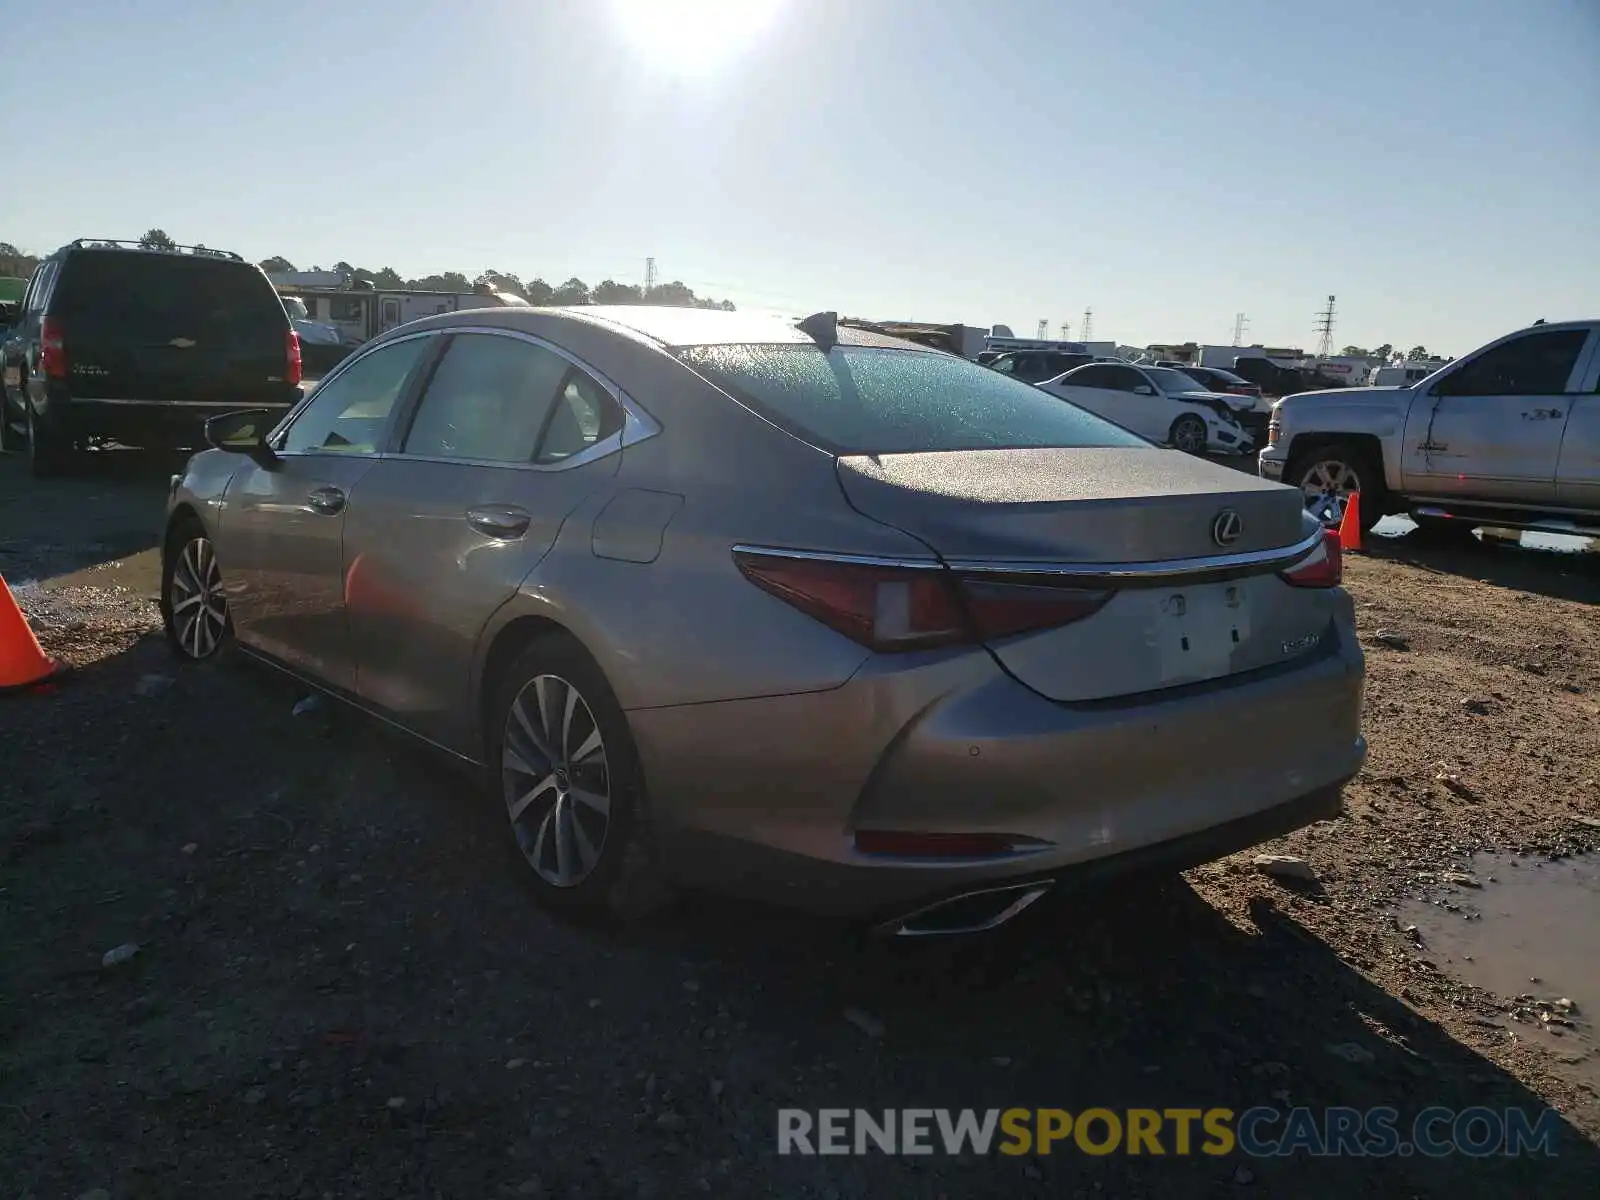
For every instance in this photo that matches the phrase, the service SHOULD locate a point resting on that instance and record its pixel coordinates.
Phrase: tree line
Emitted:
(534, 290)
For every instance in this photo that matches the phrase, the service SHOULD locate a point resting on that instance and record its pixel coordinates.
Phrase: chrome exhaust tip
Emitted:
(970, 912)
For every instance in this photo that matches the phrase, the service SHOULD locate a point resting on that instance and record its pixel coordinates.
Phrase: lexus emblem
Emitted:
(1226, 527)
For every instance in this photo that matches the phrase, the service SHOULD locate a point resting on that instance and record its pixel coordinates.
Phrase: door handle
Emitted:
(326, 500)
(1544, 414)
(500, 521)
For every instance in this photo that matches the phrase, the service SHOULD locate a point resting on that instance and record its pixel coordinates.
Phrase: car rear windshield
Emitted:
(152, 295)
(872, 400)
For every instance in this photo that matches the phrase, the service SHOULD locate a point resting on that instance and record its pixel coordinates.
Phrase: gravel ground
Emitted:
(342, 988)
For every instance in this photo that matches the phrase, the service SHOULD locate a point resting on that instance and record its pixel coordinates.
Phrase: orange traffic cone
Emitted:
(1350, 526)
(23, 661)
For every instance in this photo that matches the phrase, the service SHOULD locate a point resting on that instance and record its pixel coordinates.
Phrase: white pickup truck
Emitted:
(1507, 436)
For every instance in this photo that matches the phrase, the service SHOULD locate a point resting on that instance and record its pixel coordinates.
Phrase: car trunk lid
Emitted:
(1188, 550)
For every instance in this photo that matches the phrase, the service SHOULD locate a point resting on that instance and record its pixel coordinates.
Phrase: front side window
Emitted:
(1090, 377)
(1125, 379)
(488, 400)
(1536, 364)
(871, 400)
(349, 413)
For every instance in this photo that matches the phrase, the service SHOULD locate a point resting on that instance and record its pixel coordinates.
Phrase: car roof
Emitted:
(673, 328)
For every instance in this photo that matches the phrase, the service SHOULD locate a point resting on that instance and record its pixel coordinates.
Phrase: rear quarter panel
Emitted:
(684, 626)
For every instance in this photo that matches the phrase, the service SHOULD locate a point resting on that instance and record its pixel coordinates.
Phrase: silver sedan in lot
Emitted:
(799, 612)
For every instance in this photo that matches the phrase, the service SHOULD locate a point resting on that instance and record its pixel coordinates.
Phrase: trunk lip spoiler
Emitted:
(1128, 573)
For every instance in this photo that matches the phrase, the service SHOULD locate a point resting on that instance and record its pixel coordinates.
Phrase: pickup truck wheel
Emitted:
(1328, 475)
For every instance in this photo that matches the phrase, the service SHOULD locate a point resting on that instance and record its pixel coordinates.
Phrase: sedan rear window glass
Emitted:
(870, 400)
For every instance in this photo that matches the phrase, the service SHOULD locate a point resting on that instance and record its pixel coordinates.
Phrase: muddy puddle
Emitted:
(1529, 932)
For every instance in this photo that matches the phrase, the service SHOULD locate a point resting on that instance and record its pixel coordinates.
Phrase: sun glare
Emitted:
(693, 37)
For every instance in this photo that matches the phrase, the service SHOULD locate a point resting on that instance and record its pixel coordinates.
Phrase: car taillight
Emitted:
(891, 608)
(1273, 430)
(52, 348)
(1322, 568)
(296, 363)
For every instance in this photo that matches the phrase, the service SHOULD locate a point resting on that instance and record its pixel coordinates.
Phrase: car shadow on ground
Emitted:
(343, 983)
(1498, 561)
(109, 506)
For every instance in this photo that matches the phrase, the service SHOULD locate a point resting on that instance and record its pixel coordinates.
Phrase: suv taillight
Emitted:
(296, 363)
(912, 608)
(1322, 568)
(52, 348)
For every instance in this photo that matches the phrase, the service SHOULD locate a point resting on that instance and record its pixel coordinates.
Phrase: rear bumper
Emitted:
(763, 797)
(133, 420)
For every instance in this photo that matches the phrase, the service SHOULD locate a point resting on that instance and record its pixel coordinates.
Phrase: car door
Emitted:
(508, 437)
(1087, 388)
(282, 528)
(1491, 428)
(1578, 468)
(1137, 404)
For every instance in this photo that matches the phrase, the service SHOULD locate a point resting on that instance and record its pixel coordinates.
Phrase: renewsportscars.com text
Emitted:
(1260, 1132)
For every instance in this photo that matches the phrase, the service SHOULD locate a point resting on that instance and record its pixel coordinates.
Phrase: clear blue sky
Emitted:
(1169, 163)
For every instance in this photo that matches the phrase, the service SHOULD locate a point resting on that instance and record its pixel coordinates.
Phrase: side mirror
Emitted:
(1144, 389)
(244, 432)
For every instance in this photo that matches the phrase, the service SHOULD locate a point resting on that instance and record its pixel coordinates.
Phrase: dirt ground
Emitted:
(342, 988)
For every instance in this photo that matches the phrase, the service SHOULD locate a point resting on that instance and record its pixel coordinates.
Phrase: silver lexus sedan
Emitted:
(793, 611)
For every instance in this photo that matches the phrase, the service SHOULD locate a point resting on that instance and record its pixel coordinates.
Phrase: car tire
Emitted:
(1336, 470)
(1188, 433)
(11, 437)
(48, 453)
(194, 612)
(553, 756)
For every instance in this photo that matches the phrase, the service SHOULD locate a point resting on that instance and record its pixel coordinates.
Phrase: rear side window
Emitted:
(868, 400)
(160, 296)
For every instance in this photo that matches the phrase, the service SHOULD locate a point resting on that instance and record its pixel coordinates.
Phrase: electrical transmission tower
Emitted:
(1239, 322)
(649, 276)
(1086, 330)
(1043, 332)
(1325, 330)
(1066, 331)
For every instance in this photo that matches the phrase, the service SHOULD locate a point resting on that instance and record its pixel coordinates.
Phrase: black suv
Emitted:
(116, 342)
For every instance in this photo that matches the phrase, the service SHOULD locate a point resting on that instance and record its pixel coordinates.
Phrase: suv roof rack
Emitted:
(134, 244)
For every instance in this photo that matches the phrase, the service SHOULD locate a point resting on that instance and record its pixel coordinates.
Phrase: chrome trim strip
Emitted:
(855, 560)
(1176, 568)
(637, 424)
(1028, 893)
(1136, 572)
(223, 405)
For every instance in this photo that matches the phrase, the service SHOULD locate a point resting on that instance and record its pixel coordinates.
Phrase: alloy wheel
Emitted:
(1327, 486)
(1189, 435)
(196, 601)
(555, 780)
